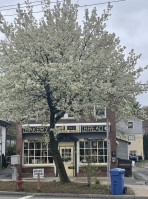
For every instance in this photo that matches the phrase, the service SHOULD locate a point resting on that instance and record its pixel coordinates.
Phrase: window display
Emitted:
(94, 151)
(37, 153)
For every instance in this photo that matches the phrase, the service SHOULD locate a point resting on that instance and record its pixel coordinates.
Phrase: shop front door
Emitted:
(67, 156)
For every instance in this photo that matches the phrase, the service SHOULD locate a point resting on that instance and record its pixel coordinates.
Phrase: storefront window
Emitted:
(94, 151)
(37, 153)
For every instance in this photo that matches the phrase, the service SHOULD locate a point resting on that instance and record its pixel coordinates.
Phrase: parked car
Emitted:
(134, 158)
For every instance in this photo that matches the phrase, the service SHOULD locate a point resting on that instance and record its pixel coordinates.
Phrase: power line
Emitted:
(80, 6)
(95, 4)
(19, 4)
(32, 2)
(21, 7)
(7, 7)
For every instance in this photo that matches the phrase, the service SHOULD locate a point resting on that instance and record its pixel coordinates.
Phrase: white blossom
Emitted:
(56, 64)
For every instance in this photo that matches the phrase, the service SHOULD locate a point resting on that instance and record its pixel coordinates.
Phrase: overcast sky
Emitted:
(128, 21)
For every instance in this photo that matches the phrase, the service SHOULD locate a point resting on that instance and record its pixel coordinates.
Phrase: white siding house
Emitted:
(133, 132)
(3, 129)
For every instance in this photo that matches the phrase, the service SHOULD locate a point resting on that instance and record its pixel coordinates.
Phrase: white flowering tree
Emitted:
(54, 66)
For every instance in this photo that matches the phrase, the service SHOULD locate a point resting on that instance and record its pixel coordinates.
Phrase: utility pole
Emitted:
(108, 154)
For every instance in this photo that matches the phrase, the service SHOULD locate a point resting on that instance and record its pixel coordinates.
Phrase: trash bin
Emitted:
(117, 181)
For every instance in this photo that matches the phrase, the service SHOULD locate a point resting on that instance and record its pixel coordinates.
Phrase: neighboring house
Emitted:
(77, 140)
(3, 129)
(132, 131)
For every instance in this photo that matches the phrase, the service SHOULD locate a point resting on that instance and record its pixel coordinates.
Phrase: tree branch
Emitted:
(59, 116)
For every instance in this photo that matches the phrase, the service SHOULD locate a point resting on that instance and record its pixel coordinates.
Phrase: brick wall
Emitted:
(96, 171)
(28, 172)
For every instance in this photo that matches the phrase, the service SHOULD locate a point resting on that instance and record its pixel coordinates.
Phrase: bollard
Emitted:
(38, 182)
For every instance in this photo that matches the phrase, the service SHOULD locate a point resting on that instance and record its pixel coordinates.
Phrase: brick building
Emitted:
(76, 141)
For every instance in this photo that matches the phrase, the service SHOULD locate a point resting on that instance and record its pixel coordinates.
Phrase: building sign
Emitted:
(97, 128)
(71, 128)
(68, 129)
(36, 171)
(65, 129)
(35, 129)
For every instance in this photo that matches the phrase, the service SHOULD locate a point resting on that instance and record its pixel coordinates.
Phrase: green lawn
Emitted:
(58, 187)
(139, 164)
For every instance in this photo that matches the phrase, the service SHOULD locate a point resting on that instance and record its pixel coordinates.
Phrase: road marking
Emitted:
(25, 197)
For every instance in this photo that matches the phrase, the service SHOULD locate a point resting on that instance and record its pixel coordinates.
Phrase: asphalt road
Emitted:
(24, 197)
(6, 173)
(50, 197)
(15, 197)
(28, 197)
(141, 174)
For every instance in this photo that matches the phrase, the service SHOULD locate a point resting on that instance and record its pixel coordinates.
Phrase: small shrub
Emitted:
(91, 172)
(97, 181)
(4, 164)
(11, 150)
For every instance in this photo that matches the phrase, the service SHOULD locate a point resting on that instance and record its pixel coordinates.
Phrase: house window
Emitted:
(70, 115)
(133, 153)
(130, 125)
(94, 151)
(131, 138)
(67, 116)
(37, 153)
(99, 112)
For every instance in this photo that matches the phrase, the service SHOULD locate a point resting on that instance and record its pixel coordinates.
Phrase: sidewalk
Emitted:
(140, 190)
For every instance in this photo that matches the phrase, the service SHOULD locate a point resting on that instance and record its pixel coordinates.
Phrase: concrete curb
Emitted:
(64, 195)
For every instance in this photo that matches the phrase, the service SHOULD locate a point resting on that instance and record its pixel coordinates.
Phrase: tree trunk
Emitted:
(57, 158)
(53, 142)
